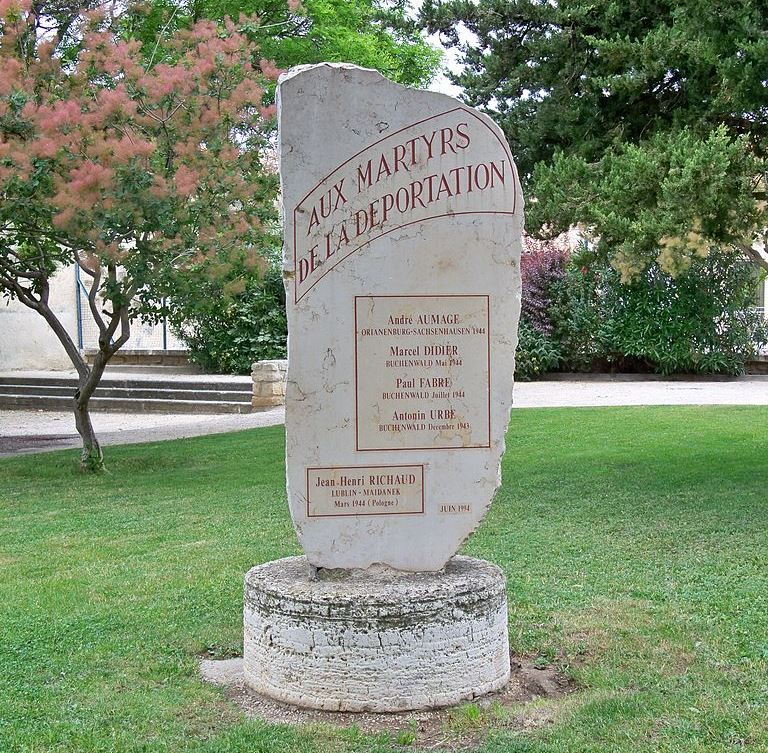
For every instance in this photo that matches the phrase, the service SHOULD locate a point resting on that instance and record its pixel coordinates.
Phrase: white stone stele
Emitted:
(376, 641)
(403, 220)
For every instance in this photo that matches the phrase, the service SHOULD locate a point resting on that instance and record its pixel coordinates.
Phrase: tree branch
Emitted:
(755, 254)
(93, 304)
(9, 282)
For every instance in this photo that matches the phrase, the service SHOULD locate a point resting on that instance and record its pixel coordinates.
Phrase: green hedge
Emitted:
(701, 322)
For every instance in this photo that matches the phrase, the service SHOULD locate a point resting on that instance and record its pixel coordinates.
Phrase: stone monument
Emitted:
(403, 219)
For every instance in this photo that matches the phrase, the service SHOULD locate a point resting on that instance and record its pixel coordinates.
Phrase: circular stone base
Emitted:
(375, 640)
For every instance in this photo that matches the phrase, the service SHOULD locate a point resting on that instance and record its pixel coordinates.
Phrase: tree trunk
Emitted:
(92, 457)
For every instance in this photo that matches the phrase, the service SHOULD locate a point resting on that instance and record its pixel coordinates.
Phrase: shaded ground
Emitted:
(9, 445)
(29, 430)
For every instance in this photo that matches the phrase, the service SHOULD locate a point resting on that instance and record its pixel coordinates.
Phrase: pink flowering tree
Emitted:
(147, 175)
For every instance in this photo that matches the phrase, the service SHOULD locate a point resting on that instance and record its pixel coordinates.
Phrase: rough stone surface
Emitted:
(379, 640)
(403, 217)
(269, 383)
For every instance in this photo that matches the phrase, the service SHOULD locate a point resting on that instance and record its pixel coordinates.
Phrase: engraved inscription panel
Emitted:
(422, 371)
(365, 490)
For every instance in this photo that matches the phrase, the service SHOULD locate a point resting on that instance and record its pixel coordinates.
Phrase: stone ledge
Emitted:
(269, 383)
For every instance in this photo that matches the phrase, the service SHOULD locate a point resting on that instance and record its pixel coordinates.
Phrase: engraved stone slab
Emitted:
(403, 218)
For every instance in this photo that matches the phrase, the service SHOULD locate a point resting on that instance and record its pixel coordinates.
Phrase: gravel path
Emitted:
(36, 431)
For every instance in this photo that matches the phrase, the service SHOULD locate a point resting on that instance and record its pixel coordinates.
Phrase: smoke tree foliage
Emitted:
(643, 122)
(233, 319)
(376, 34)
(145, 174)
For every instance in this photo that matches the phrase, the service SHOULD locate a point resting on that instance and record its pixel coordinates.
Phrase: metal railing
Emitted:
(144, 336)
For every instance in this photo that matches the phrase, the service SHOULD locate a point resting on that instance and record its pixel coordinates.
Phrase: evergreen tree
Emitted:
(643, 121)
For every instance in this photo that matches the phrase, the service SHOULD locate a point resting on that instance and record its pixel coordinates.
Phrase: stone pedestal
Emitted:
(375, 640)
(269, 383)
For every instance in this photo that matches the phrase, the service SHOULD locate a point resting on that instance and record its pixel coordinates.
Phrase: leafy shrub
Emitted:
(536, 353)
(542, 264)
(234, 331)
(577, 315)
(698, 322)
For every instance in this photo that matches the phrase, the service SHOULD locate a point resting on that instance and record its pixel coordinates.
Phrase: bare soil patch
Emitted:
(33, 443)
(521, 704)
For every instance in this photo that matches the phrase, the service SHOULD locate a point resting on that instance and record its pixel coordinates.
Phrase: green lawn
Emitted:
(635, 541)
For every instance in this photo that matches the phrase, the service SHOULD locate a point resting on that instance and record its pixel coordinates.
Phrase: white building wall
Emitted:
(26, 340)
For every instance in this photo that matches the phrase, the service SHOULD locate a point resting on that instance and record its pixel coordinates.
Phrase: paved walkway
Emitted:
(35, 431)
(625, 390)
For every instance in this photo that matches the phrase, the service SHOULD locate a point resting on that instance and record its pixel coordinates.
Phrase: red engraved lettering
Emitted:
(372, 213)
(461, 130)
(446, 136)
(486, 178)
(495, 172)
(384, 168)
(364, 176)
(456, 172)
(361, 221)
(400, 157)
(402, 199)
(387, 202)
(313, 220)
(428, 142)
(443, 187)
(416, 194)
(303, 269)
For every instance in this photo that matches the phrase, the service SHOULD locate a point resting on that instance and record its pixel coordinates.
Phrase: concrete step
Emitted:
(125, 405)
(132, 393)
(213, 383)
(132, 368)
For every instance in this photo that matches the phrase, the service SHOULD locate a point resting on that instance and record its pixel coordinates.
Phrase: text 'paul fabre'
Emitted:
(420, 172)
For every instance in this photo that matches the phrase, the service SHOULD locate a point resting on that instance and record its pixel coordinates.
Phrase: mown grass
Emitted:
(635, 541)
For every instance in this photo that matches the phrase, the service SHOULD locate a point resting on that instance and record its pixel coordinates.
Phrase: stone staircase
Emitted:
(131, 392)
